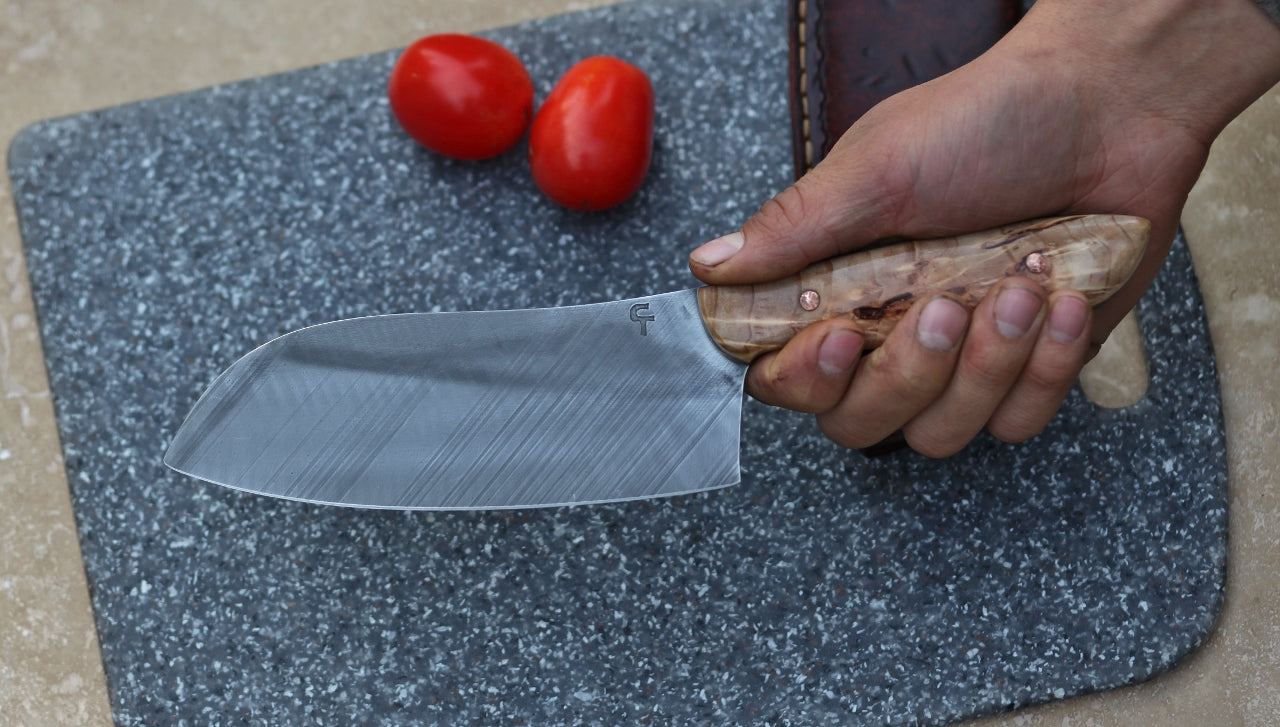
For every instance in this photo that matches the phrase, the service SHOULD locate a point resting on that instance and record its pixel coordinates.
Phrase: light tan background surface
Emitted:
(60, 57)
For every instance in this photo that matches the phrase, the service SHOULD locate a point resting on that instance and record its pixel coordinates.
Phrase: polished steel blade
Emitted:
(493, 409)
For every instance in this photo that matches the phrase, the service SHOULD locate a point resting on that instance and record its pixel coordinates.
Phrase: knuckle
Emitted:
(1023, 417)
(850, 432)
(781, 382)
(991, 369)
(906, 382)
(1013, 428)
(1047, 376)
(797, 222)
(1030, 406)
(768, 382)
(932, 443)
(784, 211)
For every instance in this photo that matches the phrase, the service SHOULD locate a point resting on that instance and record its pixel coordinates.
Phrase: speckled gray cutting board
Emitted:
(167, 238)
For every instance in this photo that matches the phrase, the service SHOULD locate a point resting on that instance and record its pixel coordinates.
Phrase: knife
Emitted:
(582, 404)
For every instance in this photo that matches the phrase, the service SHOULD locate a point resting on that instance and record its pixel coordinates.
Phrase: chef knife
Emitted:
(581, 404)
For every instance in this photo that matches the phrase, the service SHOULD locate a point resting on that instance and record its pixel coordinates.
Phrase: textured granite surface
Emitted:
(166, 238)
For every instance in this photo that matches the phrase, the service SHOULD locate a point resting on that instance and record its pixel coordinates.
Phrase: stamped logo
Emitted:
(640, 314)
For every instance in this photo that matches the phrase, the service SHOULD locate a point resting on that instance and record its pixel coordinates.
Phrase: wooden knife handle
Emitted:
(1093, 254)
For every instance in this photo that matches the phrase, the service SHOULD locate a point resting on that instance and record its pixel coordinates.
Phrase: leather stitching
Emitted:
(804, 81)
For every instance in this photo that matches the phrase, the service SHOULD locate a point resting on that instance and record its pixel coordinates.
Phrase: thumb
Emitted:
(839, 206)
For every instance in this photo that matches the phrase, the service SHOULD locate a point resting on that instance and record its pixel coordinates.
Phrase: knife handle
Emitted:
(1092, 254)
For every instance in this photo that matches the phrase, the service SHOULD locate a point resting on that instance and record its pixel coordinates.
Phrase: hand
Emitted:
(1097, 107)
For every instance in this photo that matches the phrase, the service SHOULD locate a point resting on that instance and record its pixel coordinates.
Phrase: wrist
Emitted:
(1196, 63)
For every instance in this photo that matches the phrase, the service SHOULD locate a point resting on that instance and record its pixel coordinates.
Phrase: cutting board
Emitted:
(166, 238)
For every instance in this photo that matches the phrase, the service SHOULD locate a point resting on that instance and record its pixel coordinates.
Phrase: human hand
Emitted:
(1085, 107)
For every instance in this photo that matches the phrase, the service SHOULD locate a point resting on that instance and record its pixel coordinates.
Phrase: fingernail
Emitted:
(839, 352)
(1067, 319)
(718, 250)
(941, 324)
(1016, 311)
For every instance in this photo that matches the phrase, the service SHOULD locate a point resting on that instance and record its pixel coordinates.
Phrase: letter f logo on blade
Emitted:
(640, 314)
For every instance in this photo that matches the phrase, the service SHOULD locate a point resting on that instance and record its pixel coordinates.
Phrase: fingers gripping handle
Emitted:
(1092, 254)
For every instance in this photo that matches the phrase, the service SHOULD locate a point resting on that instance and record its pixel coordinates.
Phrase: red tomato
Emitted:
(462, 96)
(590, 143)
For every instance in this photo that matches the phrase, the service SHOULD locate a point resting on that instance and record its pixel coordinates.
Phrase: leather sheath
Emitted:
(848, 55)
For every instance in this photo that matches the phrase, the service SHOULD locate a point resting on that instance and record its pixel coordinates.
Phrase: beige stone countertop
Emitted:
(60, 57)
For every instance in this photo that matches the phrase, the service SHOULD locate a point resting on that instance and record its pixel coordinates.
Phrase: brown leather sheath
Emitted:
(849, 55)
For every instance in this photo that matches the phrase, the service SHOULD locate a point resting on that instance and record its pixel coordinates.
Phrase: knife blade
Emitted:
(596, 403)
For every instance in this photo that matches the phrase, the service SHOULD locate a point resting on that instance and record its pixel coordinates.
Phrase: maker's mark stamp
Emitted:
(640, 314)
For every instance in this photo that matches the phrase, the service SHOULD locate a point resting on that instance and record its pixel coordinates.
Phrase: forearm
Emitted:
(1197, 63)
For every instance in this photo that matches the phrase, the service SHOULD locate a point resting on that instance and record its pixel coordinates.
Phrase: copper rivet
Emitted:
(1036, 263)
(809, 300)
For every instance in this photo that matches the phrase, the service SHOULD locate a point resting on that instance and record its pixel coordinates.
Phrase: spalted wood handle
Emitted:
(1093, 254)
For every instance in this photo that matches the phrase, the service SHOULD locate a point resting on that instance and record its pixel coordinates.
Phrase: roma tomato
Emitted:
(591, 141)
(461, 96)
